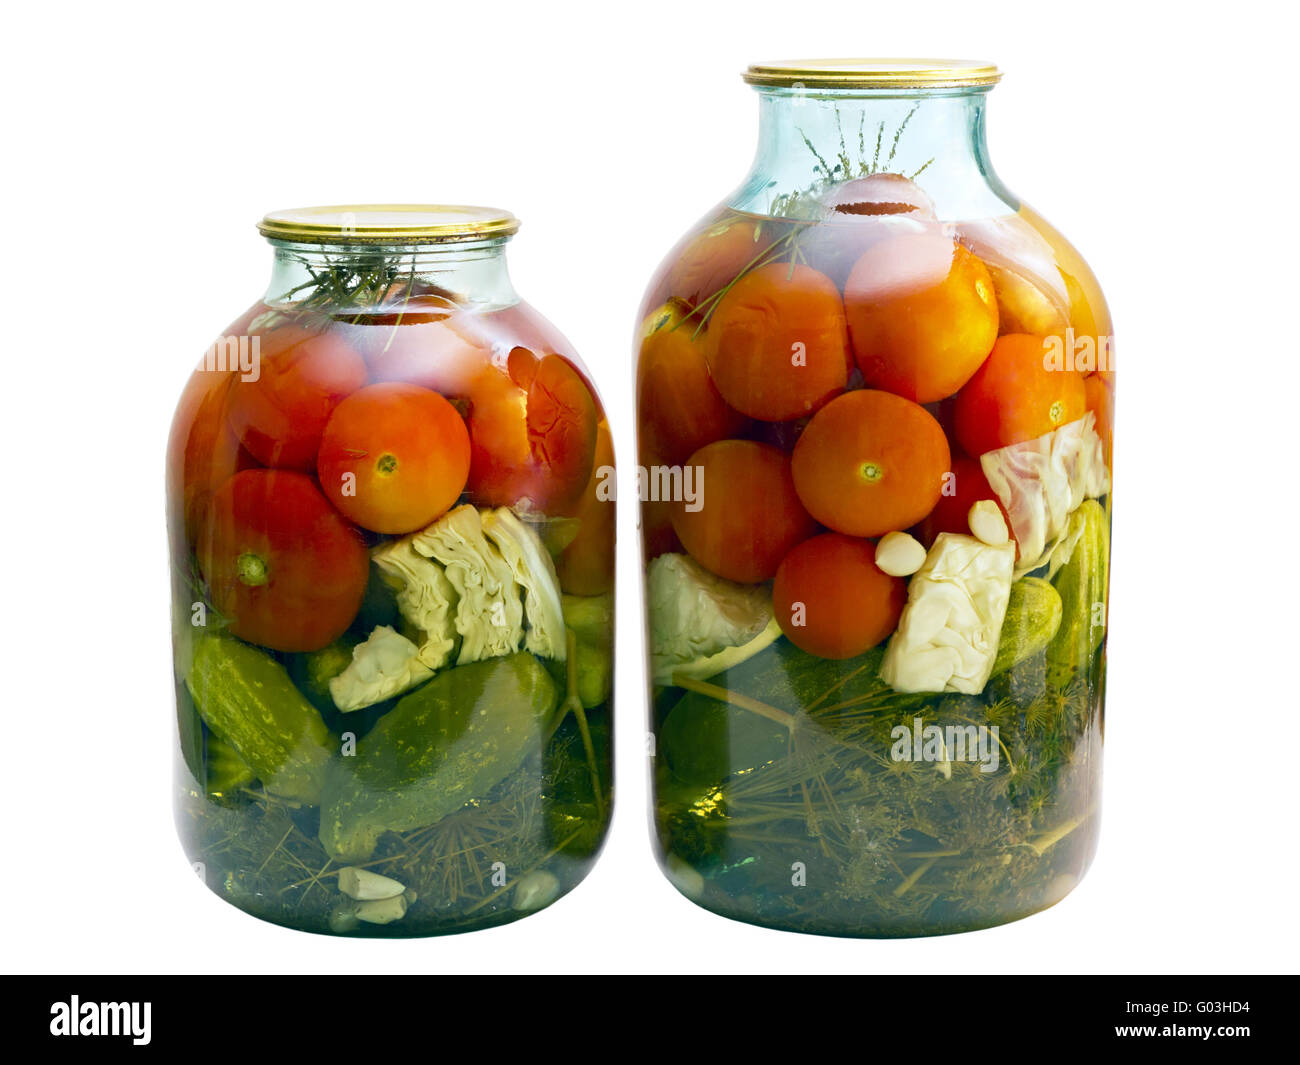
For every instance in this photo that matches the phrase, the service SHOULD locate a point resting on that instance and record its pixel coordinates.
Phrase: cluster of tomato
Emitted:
(832, 383)
(285, 470)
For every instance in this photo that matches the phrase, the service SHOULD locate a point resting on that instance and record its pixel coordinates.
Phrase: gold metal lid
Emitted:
(388, 223)
(873, 73)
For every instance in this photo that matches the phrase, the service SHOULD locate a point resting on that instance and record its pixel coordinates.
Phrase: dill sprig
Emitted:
(263, 854)
(894, 847)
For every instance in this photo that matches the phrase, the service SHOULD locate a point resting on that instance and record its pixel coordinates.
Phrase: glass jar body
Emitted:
(875, 398)
(392, 584)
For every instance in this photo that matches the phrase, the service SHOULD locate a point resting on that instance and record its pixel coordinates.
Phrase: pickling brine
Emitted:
(392, 576)
(875, 397)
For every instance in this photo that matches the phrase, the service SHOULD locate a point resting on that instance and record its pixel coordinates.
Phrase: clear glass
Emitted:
(875, 397)
(392, 539)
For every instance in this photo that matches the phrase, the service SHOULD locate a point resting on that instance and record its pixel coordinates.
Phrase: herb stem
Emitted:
(744, 702)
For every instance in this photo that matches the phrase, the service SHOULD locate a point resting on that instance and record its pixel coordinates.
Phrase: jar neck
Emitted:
(811, 139)
(370, 275)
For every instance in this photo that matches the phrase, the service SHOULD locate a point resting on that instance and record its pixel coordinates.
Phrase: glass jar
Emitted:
(389, 493)
(874, 426)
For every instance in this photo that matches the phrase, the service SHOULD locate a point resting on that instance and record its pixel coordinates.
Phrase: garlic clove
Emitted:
(539, 888)
(899, 554)
(382, 911)
(365, 885)
(986, 522)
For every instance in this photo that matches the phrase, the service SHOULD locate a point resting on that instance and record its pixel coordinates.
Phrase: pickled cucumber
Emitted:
(226, 771)
(1081, 583)
(1032, 620)
(247, 699)
(449, 742)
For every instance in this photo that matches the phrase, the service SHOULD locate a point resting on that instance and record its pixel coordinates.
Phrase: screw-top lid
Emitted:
(873, 73)
(388, 223)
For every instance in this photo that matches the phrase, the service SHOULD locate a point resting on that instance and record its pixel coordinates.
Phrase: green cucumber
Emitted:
(247, 699)
(226, 772)
(445, 744)
(591, 617)
(1032, 621)
(1081, 582)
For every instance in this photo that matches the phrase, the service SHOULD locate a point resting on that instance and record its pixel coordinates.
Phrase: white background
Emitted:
(143, 142)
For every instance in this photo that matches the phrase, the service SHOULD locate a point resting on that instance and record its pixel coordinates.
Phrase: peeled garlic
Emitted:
(365, 885)
(899, 554)
(539, 888)
(382, 911)
(986, 522)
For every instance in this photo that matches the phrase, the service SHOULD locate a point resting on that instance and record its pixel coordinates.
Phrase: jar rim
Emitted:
(388, 223)
(873, 73)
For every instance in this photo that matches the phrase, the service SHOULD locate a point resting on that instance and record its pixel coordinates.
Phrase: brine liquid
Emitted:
(795, 786)
(487, 807)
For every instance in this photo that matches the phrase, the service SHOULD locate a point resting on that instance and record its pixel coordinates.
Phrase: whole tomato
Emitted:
(202, 451)
(394, 457)
(922, 315)
(1016, 395)
(532, 417)
(679, 407)
(283, 567)
(586, 566)
(301, 376)
(532, 434)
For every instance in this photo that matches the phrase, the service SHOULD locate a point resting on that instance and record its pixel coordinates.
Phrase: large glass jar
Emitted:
(390, 510)
(874, 425)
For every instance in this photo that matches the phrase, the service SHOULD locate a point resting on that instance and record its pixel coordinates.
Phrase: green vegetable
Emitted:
(1033, 618)
(725, 726)
(226, 771)
(705, 741)
(440, 747)
(786, 763)
(1081, 583)
(591, 617)
(246, 697)
(312, 672)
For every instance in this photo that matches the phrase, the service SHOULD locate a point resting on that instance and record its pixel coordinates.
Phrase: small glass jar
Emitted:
(875, 395)
(389, 498)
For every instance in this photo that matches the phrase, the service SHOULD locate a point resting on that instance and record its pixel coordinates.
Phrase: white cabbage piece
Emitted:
(490, 609)
(383, 665)
(1042, 482)
(695, 614)
(947, 636)
(425, 598)
(535, 573)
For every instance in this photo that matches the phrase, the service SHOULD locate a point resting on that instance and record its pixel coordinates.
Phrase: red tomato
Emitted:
(777, 345)
(532, 434)
(301, 378)
(1100, 395)
(202, 451)
(966, 486)
(922, 315)
(870, 462)
(1015, 397)
(586, 566)
(832, 601)
(282, 565)
(678, 406)
(394, 457)
(717, 256)
(748, 515)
